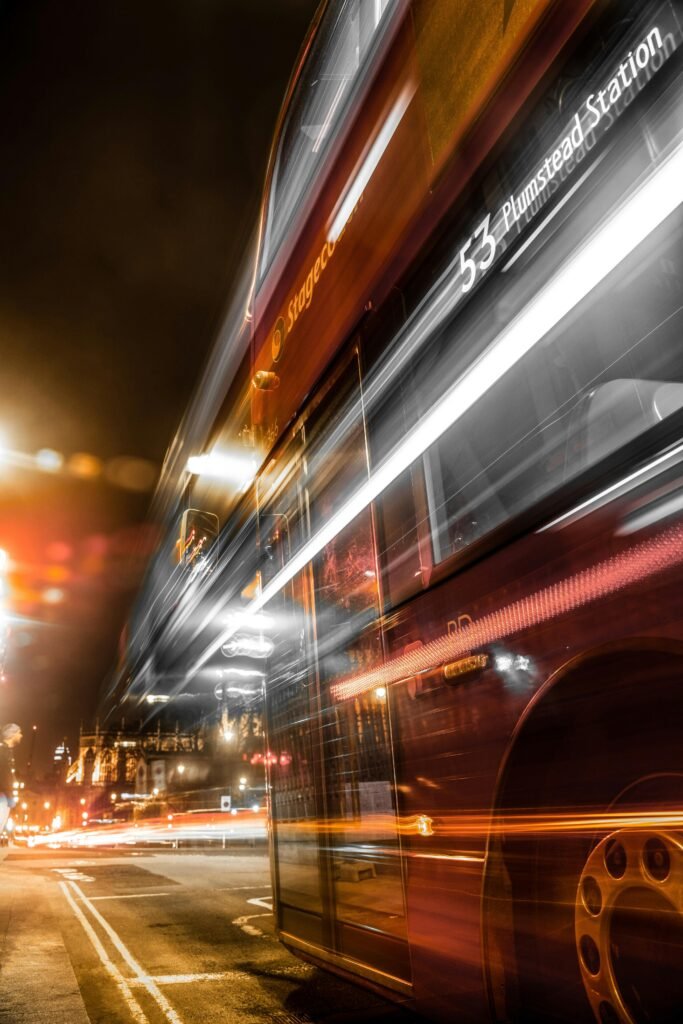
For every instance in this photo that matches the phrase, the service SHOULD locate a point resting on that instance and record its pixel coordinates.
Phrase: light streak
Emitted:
(652, 514)
(633, 478)
(241, 673)
(202, 826)
(357, 186)
(247, 646)
(479, 826)
(554, 212)
(238, 469)
(325, 126)
(657, 197)
(448, 825)
(652, 556)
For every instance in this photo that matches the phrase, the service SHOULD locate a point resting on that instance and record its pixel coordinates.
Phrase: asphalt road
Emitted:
(186, 938)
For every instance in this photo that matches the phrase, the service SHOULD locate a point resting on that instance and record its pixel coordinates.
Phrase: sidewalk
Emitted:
(37, 981)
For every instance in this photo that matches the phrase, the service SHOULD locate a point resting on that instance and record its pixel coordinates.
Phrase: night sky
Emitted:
(134, 143)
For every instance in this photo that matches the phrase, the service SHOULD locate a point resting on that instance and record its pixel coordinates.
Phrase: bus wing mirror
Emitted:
(198, 541)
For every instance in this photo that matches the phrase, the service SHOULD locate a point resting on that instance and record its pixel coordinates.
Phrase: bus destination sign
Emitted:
(595, 115)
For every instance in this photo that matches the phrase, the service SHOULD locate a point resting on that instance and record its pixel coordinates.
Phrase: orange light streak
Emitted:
(604, 579)
(480, 825)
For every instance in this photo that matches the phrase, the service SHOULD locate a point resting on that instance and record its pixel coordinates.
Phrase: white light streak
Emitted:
(247, 646)
(241, 673)
(238, 469)
(325, 126)
(554, 212)
(646, 208)
(597, 499)
(357, 186)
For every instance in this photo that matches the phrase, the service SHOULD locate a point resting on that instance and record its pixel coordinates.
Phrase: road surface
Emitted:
(167, 937)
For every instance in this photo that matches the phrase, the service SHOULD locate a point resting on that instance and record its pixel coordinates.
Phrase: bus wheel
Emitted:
(572, 939)
(628, 920)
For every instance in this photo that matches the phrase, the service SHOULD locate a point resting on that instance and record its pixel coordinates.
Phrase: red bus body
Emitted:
(491, 702)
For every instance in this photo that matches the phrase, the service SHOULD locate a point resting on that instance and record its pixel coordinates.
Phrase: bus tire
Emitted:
(599, 753)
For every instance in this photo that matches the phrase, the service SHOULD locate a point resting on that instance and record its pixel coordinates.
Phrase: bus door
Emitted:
(360, 833)
(292, 746)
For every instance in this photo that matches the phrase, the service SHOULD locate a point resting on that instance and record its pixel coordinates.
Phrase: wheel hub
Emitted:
(629, 927)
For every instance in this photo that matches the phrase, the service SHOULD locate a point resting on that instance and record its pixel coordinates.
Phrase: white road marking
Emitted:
(239, 888)
(262, 901)
(70, 873)
(131, 896)
(156, 993)
(189, 979)
(131, 1002)
(243, 921)
(249, 929)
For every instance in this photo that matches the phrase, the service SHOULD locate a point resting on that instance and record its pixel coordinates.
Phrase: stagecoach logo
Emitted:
(595, 115)
(278, 339)
(303, 295)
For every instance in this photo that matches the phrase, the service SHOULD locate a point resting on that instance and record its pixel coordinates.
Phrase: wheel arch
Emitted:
(570, 684)
(562, 707)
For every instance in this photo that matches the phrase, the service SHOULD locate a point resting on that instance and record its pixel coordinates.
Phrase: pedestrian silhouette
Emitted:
(10, 735)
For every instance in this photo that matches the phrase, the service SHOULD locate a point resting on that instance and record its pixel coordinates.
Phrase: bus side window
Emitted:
(405, 558)
(404, 550)
(596, 383)
(198, 542)
(345, 570)
(339, 55)
(360, 787)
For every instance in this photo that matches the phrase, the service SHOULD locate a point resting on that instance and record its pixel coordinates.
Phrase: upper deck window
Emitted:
(346, 36)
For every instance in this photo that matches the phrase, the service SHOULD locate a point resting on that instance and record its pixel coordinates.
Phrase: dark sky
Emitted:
(134, 142)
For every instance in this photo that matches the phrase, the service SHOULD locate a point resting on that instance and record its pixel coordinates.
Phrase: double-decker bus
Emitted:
(437, 513)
